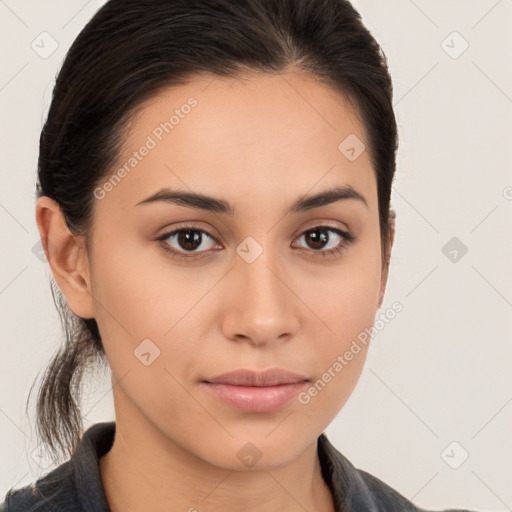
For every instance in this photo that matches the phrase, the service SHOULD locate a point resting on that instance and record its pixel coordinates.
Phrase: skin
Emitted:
(259, 142)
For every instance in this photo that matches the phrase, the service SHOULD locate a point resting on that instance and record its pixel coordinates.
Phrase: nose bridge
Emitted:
(260, 306)
(257, 267)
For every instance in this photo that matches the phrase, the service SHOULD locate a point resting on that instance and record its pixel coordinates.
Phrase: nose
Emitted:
(260, 305)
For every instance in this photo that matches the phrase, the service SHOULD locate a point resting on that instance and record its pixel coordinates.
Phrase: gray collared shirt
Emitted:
(76, 484)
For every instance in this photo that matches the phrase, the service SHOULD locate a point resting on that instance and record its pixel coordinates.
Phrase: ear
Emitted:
(385, 269)
(66, 255)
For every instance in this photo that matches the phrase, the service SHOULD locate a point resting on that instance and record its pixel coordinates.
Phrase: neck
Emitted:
(145, 470)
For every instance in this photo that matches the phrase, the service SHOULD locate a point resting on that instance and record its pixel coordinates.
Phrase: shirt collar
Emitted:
(96, 442)
(345, 482)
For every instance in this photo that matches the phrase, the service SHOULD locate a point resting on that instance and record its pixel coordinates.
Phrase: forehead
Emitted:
(240, 136)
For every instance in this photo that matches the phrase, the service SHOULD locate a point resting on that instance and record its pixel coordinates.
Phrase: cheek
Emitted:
(326, 395)
(345, 296)
(140, 297)
(140, 315)
(345, 312)
(339, 357)
(133, 295)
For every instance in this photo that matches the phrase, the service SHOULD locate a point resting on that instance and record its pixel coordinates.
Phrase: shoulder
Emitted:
(53, 491)
(389, 498)
(358, 490)
(74, 485)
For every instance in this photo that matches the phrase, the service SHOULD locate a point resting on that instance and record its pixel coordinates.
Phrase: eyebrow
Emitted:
(212, 204)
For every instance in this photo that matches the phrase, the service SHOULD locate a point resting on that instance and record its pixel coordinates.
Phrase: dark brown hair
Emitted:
(130, 50)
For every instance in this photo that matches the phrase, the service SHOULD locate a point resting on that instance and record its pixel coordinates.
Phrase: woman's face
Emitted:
(249, 287)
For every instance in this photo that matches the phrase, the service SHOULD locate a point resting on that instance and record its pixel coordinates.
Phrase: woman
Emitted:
(214, 203)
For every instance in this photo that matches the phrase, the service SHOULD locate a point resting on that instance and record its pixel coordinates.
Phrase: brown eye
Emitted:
(187, 240)
(318, 238)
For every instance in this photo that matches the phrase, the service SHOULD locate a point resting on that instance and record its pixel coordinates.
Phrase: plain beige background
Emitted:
(432, 412)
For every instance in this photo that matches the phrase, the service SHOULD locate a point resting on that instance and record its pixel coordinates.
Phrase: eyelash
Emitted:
(348, 239)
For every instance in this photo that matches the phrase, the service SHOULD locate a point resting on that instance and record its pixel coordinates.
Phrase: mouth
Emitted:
(253, 391)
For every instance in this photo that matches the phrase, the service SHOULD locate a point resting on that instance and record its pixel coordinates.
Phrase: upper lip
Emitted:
(271, 377)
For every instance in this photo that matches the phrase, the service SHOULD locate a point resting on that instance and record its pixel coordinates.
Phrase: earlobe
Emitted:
(66, 256)
(385, 270)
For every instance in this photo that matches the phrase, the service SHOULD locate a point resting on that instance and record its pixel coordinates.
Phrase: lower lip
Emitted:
(256, 398)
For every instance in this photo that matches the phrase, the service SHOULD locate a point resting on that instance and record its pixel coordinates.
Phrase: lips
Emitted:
(252, 391)
(271, 377)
